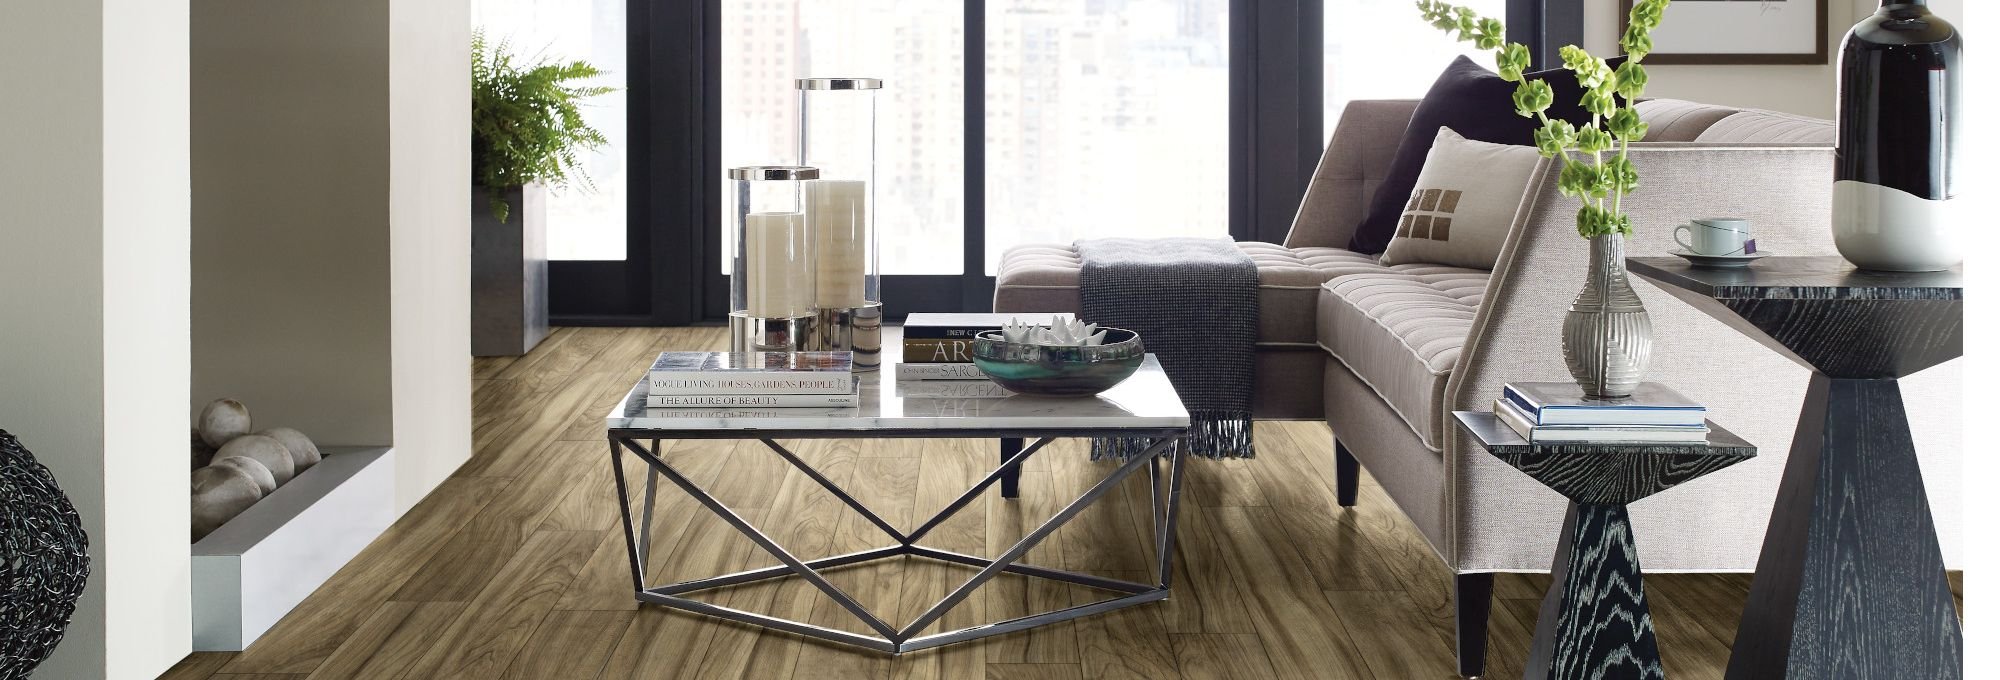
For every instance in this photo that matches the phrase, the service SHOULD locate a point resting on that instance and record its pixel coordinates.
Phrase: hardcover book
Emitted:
(938, 372)
(952, 389)
(753, 400)
(1563, 403)
(741, 373)
(937, 351)
(1518, 421)
(964, 326)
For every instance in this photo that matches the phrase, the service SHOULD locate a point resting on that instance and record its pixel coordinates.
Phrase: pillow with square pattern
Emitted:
(1463, 204)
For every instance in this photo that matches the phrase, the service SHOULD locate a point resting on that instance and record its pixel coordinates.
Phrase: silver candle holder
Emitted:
(837, 136)
(771, 280)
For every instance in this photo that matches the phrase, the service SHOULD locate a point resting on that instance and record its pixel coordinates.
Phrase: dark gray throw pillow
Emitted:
(1478, 105)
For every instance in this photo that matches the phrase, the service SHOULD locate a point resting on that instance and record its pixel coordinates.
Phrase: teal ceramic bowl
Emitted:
(1059, 371)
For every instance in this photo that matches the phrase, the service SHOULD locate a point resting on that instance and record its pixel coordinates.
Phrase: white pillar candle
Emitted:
(838, 210)
(774, 254)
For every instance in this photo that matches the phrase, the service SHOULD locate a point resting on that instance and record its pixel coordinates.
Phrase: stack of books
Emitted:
(1550, 412)
(939, 346)
(753, 380)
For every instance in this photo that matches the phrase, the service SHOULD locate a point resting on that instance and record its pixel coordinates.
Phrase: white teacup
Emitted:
(1714, 236)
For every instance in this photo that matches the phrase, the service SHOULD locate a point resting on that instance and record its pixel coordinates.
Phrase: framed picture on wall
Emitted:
(1737, 32)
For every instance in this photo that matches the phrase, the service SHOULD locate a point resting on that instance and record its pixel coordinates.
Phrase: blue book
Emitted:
(1563, 403)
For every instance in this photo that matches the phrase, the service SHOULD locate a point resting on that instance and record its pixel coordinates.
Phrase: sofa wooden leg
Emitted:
(1010, 481)
(1472, 595)
(1346, 474)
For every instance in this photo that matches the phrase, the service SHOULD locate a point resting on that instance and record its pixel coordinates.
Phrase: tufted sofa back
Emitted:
(1364, 144)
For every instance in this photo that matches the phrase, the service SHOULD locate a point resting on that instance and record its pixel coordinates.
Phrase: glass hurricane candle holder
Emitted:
(771, 279)
(837, 136)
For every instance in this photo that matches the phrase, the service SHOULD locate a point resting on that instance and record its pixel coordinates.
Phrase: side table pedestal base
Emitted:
(1850, 583)
(1594, 623)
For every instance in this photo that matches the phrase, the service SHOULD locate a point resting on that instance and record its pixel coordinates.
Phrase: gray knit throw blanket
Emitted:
(1193, 302)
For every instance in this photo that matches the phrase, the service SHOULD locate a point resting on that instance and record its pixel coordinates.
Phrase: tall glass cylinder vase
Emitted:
(837, 136)
(771, 283)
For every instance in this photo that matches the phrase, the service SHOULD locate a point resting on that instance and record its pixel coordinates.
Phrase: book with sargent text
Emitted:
(744, 373)
(939, 351)
(938, 372)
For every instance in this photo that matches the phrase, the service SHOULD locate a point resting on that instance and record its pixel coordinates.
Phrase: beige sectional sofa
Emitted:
(1385, 353)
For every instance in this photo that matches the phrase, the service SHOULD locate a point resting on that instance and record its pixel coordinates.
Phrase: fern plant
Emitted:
(526, 124)
(1609, 95)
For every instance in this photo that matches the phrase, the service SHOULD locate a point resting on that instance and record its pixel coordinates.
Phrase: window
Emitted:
(917, 48)
(1105, 119)
(1387, 51)
(586, 221)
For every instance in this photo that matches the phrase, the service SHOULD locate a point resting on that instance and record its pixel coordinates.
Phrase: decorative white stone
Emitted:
(271, 452)
(1062, 333)
(218, 494)
(266, 482)
(200, 454)
(222, 420)
(305, 454)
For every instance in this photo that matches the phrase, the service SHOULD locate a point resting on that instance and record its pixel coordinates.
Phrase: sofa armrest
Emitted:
(1355, 161)
(1500, 518)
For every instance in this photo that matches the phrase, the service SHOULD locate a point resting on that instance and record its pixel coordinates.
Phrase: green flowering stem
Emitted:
(1600, 183)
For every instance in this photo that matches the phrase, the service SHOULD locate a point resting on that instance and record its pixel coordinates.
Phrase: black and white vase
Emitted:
(1899, 127)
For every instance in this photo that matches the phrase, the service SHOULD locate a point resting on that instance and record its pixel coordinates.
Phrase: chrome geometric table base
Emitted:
(1165, 501)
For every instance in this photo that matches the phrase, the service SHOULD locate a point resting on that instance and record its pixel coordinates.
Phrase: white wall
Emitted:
(94, 298)
(1804, 90)
(430, 233)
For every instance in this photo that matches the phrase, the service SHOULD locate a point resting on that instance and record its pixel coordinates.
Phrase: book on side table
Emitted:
(939, 346)
(752, 380)
(1559, 413)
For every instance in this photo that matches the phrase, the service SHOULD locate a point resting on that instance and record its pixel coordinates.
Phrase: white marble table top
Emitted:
(1144, 401)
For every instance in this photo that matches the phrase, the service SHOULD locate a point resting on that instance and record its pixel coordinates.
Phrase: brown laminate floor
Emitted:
(516, 566)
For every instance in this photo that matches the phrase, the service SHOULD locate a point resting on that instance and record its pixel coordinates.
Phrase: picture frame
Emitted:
(1737, 32)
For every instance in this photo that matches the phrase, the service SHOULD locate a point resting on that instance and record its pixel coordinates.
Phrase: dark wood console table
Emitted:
(1850, 583)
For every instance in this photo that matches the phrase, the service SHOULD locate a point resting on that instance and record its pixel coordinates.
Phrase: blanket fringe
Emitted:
(1211, 434)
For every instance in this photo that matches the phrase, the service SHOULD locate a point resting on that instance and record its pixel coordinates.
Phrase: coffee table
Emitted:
(1850, 583)
(1143, 406)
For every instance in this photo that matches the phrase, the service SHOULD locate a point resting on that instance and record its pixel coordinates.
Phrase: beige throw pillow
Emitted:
(1464, 202)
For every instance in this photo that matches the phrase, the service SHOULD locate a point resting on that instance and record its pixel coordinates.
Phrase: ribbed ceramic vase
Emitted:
(1607, 337)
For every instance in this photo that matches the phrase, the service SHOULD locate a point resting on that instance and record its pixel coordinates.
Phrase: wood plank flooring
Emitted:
(515, 568)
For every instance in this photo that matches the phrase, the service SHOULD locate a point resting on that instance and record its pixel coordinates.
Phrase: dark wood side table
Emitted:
(1594, 622)
(1850, 583)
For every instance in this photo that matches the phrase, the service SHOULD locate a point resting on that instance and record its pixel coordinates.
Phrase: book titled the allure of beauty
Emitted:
(753, 400)
(741, 373)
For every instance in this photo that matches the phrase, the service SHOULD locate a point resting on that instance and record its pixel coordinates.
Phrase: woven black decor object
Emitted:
(42, 561)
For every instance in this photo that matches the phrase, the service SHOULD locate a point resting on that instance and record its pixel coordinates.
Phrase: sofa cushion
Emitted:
(1677, 120)
(1479, 105)
(1463, 203)
(1768, 127)
(1043, 278)
(1400, 330)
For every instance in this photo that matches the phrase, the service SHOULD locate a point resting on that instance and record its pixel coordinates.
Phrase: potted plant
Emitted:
(527, 132)
(1607, 337)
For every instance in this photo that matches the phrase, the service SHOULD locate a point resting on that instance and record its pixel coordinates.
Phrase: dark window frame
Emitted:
(672, 274)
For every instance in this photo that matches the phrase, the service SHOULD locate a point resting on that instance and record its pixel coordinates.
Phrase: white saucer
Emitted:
(1721, 261)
